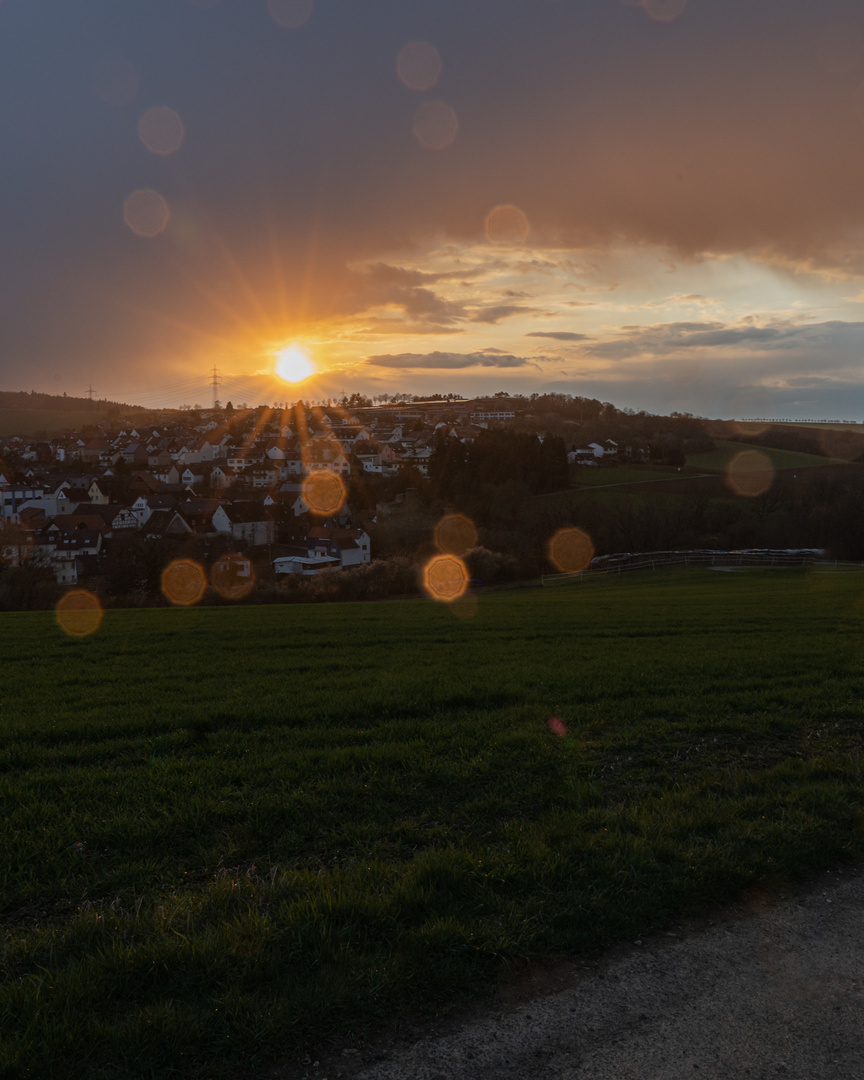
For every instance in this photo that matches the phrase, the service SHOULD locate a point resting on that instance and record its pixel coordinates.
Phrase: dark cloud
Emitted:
(666, 339)
(497, 312)
(451, 361)
(558, 335)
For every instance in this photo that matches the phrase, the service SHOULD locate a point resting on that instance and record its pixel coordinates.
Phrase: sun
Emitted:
(293, 365)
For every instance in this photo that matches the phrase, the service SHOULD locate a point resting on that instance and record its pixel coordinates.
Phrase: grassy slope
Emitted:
(625, 475)
(780, 459)
(295, 821)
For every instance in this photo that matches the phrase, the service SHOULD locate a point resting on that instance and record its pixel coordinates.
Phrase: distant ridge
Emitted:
(32, 414)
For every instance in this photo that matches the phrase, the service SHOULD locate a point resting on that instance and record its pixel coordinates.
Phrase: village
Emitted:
(228, 479)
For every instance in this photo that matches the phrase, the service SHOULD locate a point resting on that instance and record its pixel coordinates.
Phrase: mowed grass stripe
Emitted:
(228, 834)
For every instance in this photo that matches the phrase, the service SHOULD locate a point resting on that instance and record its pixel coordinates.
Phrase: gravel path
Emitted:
(772, 986)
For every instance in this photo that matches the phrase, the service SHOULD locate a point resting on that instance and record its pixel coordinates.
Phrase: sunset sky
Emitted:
(659, 204)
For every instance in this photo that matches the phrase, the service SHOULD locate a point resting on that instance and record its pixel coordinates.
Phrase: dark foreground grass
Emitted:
(231, 834)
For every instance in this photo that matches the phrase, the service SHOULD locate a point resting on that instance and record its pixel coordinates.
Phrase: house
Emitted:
(69, 555)
(252, 524)
(350, 546)
(588, 455)
(12, 496)
(167, 522)
(206, 515)
(326, 453)
(307, 565)
(116, 518)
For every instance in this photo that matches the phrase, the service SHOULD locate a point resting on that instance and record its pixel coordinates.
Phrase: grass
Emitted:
(230, 834)
(598, 477)
(780, 459)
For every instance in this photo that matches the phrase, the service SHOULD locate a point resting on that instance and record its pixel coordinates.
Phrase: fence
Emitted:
(616, 564)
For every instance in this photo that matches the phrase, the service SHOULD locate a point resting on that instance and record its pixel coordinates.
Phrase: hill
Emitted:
(41, 415)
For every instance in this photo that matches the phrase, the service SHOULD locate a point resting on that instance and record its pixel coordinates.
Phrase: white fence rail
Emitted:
(651, 560)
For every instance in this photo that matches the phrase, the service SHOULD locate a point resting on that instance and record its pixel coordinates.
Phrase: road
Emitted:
(771, 986)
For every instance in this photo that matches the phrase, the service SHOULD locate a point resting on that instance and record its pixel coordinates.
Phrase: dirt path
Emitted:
(772, 986)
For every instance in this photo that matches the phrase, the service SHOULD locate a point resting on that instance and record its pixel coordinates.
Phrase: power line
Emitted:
(214, 382)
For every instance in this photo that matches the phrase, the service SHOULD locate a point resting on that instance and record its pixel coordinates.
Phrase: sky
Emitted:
(655, 203)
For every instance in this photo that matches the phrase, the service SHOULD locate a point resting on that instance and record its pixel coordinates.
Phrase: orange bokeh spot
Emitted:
(664, 10)
(435, 125)
(445, 577)
(419, 65)
(750, 473)
(161, 130)
(146, 213)
(506, 225)
(79, 613)
(316, 453)
(324, 492)
(455, 534)
(465, 607)
(570, 550)
(290, 14)
(184, 582)
(233, 577)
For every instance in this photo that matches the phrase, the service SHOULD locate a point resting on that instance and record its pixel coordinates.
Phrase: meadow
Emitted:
(625, 474)
(726, 450)
(230, 834)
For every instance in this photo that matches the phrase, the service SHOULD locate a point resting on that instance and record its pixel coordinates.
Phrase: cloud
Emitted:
(498, 312)
(558, 335)
(452, 361)
(667, 339)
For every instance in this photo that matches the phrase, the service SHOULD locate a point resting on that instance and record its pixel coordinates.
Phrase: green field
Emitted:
(598, 477)
(780, 459)
(230, 834)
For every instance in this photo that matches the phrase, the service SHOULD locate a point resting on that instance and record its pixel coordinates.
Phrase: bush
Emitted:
(491, 567)
(398, 576)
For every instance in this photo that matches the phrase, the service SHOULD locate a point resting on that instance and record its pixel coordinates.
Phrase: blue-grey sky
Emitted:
(659, 203)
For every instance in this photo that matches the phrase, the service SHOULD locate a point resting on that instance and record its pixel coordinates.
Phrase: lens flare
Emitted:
(506, 225)
(184, 582)
(316, 453)
(445, 577)
(557, 726)
(161, 130)
(419, 65)
(290, 14)
(570, 550)
(455, 534)
(146, 212)
(750, 473)
(324, 492)
(465, 607)
(79, 613)
(233, 576)
(293, 365)
(664, 10)
(435, 125)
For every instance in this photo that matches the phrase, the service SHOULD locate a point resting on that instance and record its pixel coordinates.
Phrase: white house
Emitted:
(307, 565)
